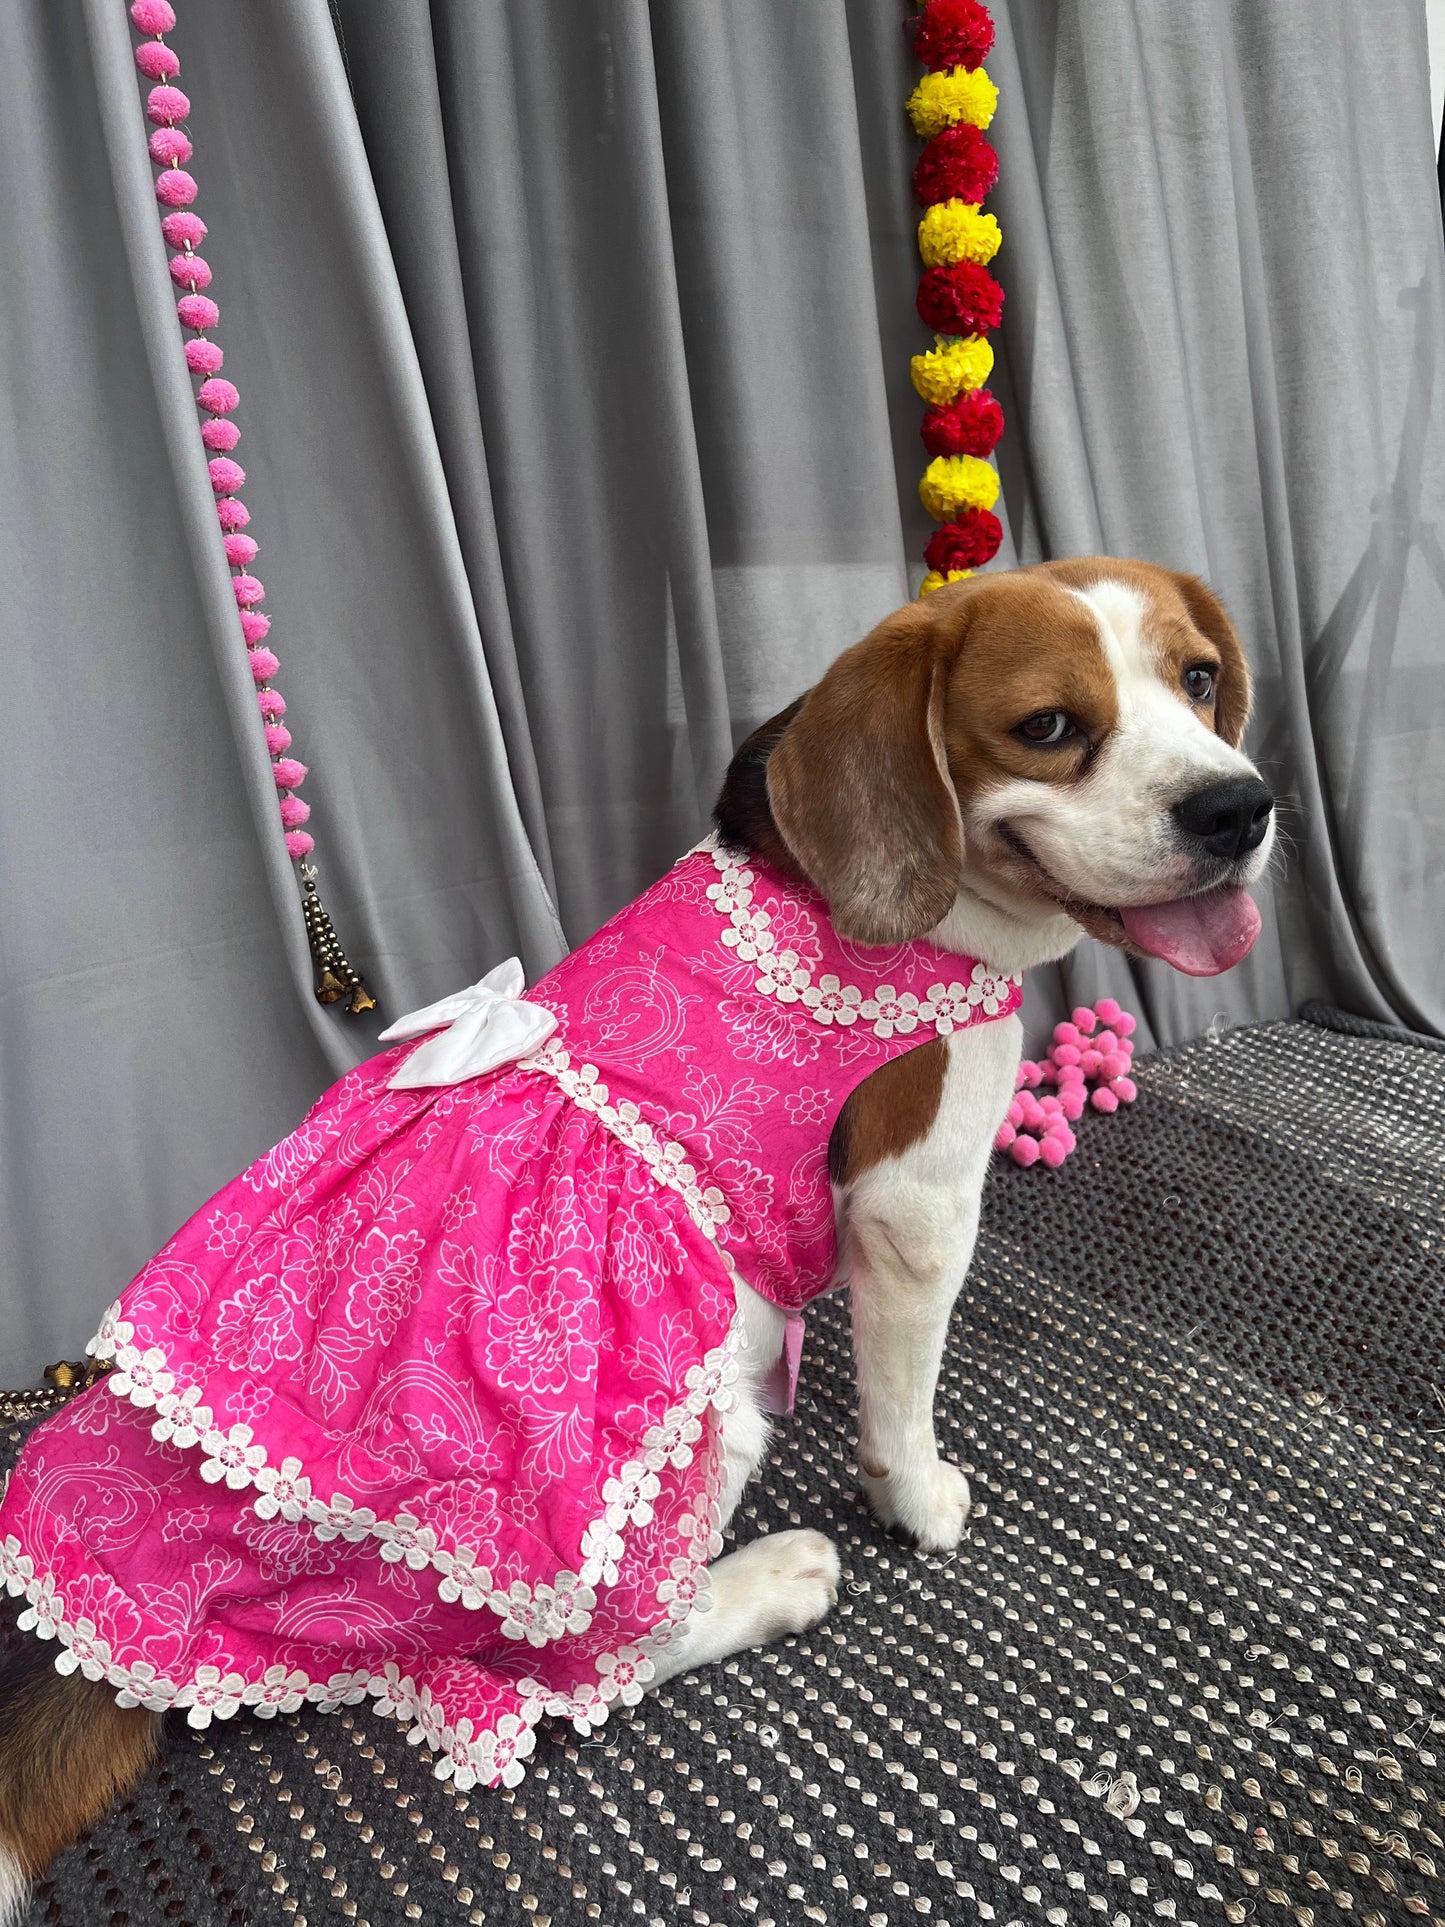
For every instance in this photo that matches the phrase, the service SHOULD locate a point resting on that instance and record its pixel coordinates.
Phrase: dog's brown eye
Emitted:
(1199, 683)
(1048, 726)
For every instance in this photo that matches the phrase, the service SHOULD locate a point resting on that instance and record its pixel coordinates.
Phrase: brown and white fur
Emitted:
(904, 787)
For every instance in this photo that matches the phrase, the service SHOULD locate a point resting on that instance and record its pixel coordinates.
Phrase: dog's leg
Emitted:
(780, 1584)
(911, 1221)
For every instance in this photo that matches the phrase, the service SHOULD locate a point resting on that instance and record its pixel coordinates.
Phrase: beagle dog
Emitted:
(1016, 760)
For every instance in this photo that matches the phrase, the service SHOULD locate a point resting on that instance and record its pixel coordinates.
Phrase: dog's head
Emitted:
(1058, 739)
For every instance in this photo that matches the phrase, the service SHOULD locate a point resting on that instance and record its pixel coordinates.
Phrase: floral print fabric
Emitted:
(426, 1405)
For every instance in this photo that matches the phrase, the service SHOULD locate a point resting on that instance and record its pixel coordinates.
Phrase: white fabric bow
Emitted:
(486, 1025)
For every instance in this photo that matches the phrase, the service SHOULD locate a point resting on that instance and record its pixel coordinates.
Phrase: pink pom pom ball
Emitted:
(198, 311)
(1125, 1089)
(1115, 1064)
(1015, 1114)
(1084, 1019)
(1105, 1040)
(294, 812)
(1065, 1054)
(153, 16)
(232, 515)
(1024, 1151)
(263, 665)
(248, 590)
(1004, 1136)
(163, 105)
(240, 549)
(183, 230)
(227, 476)
(289, 774)
(156, 61)
(1124, 1024)
(218, 397)
(176, 188)
(1089, 1063)
(190, 268)
(203, 357)
(299, 844)
(1066, 1034)
(278, 738)
(254, 626)
(1103, 1100)
(1107, 1010)
(272, 703)
(1031, 1073)
(1052, 1153)
(1071, 1103)
(169, 147)
(220, 437)
(1069, 1075)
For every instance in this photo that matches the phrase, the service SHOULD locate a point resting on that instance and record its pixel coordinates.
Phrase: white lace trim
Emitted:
(781, 974)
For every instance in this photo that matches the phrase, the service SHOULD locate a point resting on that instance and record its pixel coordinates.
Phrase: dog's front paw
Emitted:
(930, 1502)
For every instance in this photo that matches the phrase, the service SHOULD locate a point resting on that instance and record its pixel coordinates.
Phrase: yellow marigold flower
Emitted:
(954, 482)
(951, 366)
(953, 231)
(933, 580)
(942, 100)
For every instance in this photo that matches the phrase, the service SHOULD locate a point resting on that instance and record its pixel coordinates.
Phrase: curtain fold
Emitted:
(573, 351)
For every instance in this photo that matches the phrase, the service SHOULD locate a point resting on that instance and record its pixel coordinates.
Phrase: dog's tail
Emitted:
(66, 1751)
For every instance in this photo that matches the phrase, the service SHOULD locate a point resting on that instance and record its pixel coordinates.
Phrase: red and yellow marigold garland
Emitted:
(957, 296)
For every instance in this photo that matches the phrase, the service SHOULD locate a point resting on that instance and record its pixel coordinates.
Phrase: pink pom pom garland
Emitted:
(171, 149)
(1094, 1046)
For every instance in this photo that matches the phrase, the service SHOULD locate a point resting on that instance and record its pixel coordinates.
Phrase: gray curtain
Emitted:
(573, 344)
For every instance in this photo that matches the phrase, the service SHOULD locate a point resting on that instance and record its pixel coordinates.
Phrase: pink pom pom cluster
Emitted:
(1087, 1063)
(171, 149)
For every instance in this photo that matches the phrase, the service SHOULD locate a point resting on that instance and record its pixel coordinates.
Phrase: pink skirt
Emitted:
(425, 1407)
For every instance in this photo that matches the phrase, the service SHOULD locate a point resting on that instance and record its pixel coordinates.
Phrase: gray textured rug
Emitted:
(1185, 1666)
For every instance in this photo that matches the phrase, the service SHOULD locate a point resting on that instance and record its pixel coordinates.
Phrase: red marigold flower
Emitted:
(958, 164)
(953, 33)
(968, 425)
(962, 299)
(965, 544)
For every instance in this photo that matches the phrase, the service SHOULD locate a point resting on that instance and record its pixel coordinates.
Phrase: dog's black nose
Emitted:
(1229, 819)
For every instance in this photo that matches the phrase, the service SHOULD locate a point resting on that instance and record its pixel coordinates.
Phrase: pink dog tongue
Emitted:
(1201, 936)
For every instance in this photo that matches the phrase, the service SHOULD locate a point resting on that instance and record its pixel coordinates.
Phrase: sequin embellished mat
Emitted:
(1186, 1665)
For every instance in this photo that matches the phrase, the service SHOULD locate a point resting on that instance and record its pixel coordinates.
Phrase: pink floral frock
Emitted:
(425, 1407)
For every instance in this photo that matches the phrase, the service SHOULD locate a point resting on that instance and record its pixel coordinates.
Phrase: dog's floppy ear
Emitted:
(1232, 694)
(859, 785)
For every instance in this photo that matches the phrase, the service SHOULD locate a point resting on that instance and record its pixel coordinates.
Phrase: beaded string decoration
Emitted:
(217, 399)
(957, 296)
